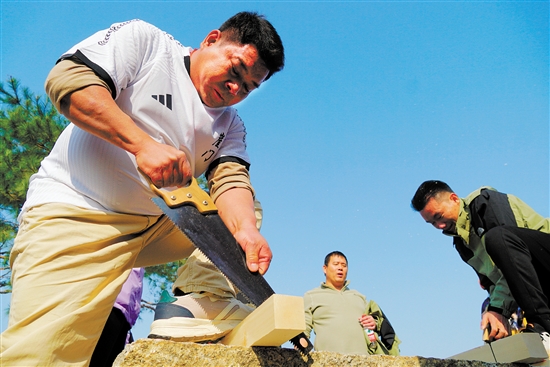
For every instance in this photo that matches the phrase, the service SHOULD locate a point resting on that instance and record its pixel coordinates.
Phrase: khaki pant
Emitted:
(68, 266)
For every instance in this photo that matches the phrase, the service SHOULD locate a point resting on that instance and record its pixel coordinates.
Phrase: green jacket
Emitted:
(388, 342)
(480, 211)
(334, 317)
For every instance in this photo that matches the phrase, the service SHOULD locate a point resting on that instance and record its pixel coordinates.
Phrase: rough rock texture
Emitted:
(152, 352)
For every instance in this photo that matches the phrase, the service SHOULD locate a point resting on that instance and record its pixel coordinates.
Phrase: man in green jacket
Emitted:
(505, 241)
(340, 316)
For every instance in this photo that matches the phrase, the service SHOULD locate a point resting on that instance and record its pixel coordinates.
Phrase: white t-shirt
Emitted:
(151, 85)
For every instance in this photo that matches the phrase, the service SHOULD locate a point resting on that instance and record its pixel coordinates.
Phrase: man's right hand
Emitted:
(165, 165)
(500, 327)
(367, 321)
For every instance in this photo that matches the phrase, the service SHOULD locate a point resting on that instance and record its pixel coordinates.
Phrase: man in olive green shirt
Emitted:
(339, 315)
(505, 241)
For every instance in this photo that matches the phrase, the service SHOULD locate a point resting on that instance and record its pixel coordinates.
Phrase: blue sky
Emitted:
(375, 98)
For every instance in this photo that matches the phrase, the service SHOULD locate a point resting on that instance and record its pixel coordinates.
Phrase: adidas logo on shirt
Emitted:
(165, 100)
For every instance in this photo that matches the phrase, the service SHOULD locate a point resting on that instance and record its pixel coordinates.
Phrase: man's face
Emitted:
(336, 271)
(224, 73)
(442, 211)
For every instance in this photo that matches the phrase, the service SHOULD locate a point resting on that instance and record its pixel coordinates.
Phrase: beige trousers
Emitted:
(68, 266)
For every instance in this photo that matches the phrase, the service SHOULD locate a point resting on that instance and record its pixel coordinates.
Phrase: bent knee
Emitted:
(494, 238)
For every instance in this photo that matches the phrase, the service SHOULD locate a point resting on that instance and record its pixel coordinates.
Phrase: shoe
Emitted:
(545, 340)
(196, 317)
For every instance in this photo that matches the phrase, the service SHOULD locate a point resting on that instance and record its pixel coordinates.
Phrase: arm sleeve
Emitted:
(228, 175)
(308, 314)
(501, 299)
(111, 58)
(68, 76)
(120, 53)
(466, 254)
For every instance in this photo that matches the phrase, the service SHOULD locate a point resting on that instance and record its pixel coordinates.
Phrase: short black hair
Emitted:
(251, 28)
(426, 191)
(334, 253)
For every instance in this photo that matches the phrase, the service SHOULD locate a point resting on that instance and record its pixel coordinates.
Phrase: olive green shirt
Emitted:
(334, 317)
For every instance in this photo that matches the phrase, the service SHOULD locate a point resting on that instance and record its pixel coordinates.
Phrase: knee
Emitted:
(494, 239)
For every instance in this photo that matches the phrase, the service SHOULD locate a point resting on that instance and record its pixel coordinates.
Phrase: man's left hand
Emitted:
(236, 208)
(258, 253)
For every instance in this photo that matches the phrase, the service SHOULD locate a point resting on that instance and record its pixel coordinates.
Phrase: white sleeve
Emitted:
(120, 53)
(234, 144)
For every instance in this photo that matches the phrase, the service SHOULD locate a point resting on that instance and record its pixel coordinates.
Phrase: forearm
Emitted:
(308, 314)
(501, 299)
(85, 99)
(236, 208)
(93, 110)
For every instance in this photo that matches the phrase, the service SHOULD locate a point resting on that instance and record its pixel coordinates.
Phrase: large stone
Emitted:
(153, 352)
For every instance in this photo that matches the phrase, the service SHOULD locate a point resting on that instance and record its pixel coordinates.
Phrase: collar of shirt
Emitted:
(345, 287)
(462, 224)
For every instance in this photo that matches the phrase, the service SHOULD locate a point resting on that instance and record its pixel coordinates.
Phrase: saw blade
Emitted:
(493, 352)
(488, 340)
(209, 234)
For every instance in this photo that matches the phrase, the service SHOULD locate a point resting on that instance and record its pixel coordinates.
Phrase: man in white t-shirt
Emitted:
(136, 98)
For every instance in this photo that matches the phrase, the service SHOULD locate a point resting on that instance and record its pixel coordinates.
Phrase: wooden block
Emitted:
(519, 348)
(273, 323)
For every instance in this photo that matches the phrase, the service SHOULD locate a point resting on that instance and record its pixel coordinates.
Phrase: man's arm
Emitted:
(385, 329)
(492, 209)
(84, 98)
(230, 181)
(308, 313)
(236, 208)
(494, 282)
(93, 110)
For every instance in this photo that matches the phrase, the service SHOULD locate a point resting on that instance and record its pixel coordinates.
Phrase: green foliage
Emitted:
(161, 277)
(29, 126)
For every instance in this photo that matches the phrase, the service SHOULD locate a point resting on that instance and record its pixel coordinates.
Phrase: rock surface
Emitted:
(154, 352)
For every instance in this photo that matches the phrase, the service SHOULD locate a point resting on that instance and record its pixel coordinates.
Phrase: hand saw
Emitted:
(194, 213)
(489, 340)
